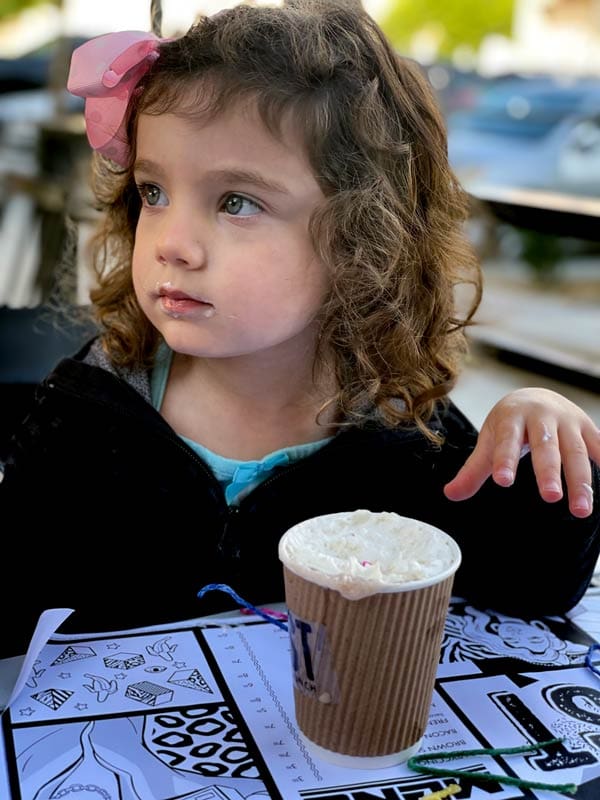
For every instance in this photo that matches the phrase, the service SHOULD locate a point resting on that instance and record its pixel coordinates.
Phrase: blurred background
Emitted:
(519, 84)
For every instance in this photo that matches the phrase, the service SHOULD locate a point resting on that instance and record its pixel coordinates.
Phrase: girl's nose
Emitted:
(180, 243)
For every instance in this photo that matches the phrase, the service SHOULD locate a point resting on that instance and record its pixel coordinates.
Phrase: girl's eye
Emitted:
(240, 206)
(150, 194)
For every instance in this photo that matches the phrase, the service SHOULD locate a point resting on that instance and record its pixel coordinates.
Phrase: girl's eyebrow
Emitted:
(145, 165)
(225, 175)
(248, 176)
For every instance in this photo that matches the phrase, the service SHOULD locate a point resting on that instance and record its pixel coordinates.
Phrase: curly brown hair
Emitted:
(391, 230)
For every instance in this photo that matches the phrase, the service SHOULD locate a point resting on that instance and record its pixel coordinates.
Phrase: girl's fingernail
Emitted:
(582, 504)
(584, 501)
(505, 476)
(553, 487)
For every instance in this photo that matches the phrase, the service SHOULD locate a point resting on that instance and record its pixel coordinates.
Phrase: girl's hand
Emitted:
(553, 428)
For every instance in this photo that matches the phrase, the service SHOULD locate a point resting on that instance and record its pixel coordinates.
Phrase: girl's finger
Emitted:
(591, 437)
(474, 472)
(578, 472)
(546, 459)
(510, 437)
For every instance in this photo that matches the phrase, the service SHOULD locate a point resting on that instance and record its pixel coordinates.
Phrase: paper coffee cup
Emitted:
(367, 595)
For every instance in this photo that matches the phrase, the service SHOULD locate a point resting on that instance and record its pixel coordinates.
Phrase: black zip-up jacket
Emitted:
(107, 511)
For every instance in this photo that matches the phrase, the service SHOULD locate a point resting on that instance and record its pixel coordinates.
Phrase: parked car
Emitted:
(578, 164)
(456, 89)
(536, 133)
(28, 72)
(25, 99)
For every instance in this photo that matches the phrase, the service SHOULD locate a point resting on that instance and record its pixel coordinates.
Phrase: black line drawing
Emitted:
(418, 786)
(53, 698)
(124, 661)
(36, 673)
(162, 649)
(475, 635)
(579, 702)
(149, 693)
(290, 726)
(140, 740)
(73, 653)
(192, 678)
(205, 740)
(101, 687)
(557, 756)
(91, 775)
(116, 759)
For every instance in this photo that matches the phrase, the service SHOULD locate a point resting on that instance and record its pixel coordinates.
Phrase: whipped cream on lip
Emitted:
(177, 303)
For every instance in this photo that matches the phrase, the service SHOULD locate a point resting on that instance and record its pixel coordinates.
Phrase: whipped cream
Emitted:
(360, 553)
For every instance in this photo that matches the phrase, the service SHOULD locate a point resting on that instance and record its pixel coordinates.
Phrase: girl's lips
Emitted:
(178, 303)
(175, 294)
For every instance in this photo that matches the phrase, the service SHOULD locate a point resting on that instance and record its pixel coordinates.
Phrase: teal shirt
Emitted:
(236, 477)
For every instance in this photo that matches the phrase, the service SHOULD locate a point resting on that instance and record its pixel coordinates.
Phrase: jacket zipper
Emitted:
(223, 549)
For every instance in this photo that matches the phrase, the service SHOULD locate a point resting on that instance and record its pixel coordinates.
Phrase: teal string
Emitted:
(414, 763)
(222, 587)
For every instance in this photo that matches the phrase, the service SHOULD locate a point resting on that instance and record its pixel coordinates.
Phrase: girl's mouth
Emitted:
(177, 303)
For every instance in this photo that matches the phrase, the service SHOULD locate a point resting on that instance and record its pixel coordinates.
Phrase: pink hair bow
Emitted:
(105, 71)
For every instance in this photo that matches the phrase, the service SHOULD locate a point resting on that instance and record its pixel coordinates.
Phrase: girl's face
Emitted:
(223, 264)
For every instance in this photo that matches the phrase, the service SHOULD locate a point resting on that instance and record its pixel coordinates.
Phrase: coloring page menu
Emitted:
(207, 713)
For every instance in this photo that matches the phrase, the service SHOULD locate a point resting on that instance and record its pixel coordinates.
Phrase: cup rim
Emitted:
(370, 589)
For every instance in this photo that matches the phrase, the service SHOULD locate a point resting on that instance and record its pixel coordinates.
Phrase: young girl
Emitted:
(275, 294)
